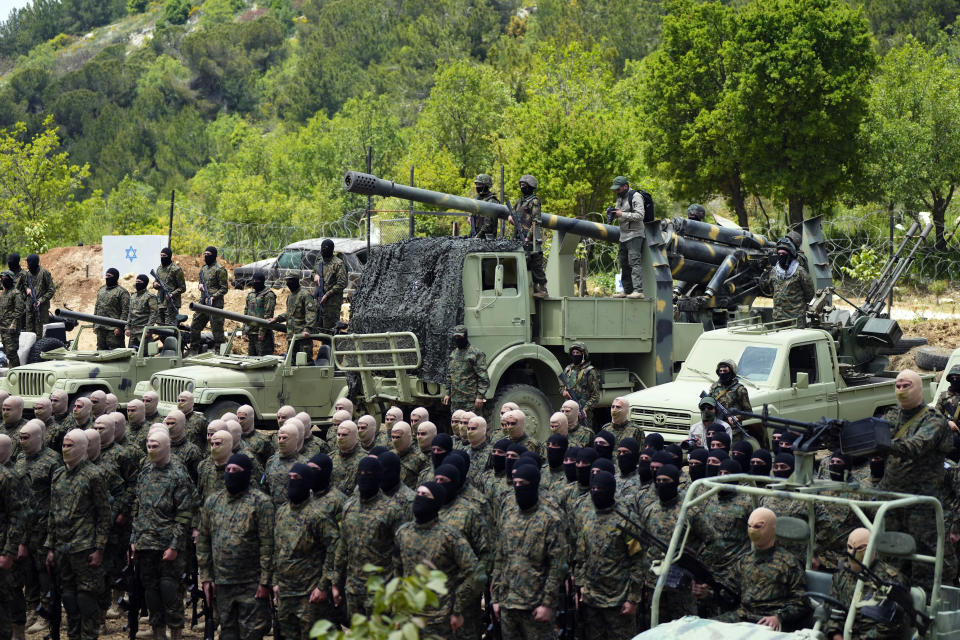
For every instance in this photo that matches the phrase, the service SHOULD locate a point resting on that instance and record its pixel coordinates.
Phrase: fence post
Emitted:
(503, 199)
(369, 198)
(890, 297)
(170, 228)
(412, 232)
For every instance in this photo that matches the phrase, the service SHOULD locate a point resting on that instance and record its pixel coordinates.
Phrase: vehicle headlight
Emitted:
(190, 387)
(51, 378)
(155, 382)
(12, 377)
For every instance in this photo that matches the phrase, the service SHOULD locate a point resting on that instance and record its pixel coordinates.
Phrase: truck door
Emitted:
(307, 385)
(819, 399)
(495, 300)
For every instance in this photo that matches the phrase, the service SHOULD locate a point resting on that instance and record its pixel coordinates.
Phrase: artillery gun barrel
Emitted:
(239, 317)
(370, 185)
(89, 317)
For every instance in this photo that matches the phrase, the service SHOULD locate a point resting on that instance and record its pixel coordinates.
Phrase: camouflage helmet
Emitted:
(484, 179)
(529, 179)
(787, 245)
(696, 212)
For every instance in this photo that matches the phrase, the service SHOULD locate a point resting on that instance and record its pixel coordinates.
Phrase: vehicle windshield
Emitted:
(295, 259)
(754, 362)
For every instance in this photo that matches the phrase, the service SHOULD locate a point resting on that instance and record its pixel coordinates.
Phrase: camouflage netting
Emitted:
(416, 286)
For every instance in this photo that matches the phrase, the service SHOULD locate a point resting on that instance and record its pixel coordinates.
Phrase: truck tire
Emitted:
(221, 407)
(534, 405)
(42, 346)
(902, 346)
(932, 358)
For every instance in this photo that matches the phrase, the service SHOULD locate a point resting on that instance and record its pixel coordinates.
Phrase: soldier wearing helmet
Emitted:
(526, 220)
(696, 212)
(484, 227)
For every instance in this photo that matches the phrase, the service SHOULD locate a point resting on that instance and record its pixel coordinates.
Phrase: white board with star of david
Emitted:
(132, 254)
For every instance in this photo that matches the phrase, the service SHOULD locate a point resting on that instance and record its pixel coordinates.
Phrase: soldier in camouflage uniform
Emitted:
(300, 317)
(214, 279)
(180, 447)
(305, 537)
(277, 469)
(15, 524)
(78, 522)
(949, 401)
(730, 392)
(330, 499)
(369, 436)
(40, 282)
(196, 421)
(137, 426)
(113, 301)
(580, 381)
(578, 434)
(620, 425)
(515, 427)
(607, 566)
(789, 284)
(526, 220)
(211, 470)
(143, 311)
(171, 275)
(258, 443)
(437, 544)
(13, 421)
(331, 270)
(312, 443)
(467, 380)
(484, 227)
(771, 580)
(530, 561)
(367, 534)
(261, 303)
(236, 527)
(479, 449)
(412, 462)
(346, 457)
(162, 517)
(11, 318)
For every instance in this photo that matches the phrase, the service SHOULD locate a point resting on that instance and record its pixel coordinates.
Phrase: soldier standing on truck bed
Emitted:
(261, 303)
(630, 212)
(213, 287)
(41, 282)
(299, 317)
(526, 220)
(11, 313)
(331, 270)
(467, 380)
(484, 227)
(113, 301)
(172, 276)
(789, 284)
(143, 311)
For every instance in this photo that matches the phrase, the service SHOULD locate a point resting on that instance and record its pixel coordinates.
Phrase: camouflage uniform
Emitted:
(367, 534)
(276, 474)
(331, 502)
(949, 404)
(176, 284)
(864, 628)
(469, 519)
(479, 462)
(790, 294)
(442, 547)
(136, 434)
(260, 304)
(79, 520)
(581, 436)
(532, 445)
(142, 313)
(13, 432)
(11, 317)
(305, 538)
(334, 274)
(344, 476)
(527, 229)
(660, 520)
(112, 302)
(300, 316)
(467, 377)
(216, 279)
(582, 382)
(771, 583)
(69, 423)
(43, 289)
(189, 456)
(259, 445)
(735, 396)
(835, 521)
(14, 525)
(403, 496)
(235, 529)
(313, 444)
(162, 519)
(484, 227)
(37, 470)
(413, 464)
(210, 479)
(628, 429)
(197, 429)
(530, 563)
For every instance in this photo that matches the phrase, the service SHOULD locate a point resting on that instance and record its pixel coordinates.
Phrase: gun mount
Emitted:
(239, 317)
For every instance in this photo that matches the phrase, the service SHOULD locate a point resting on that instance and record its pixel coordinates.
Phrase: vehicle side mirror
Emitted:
(152, 348)
(301, 360)
(803, 380)
(498, 280)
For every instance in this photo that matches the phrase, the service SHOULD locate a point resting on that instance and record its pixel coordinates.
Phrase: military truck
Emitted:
(81, 372)
(222, 382)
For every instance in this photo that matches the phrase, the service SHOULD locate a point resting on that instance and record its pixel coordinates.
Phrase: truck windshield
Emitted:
(756, 363)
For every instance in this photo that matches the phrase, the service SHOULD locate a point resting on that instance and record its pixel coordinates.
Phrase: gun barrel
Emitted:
(239, 317)
(89, 317)
(370, 185)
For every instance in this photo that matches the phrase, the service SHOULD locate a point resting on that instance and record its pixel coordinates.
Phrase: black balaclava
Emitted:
(259, 282)
(33, 263)
(239, 481)
(602, 464)
(555, 454)
(140, 284)
(742, 451)
(838, 471)
(326, 249)
(731, 466)
(321, 479)
(212, 258)
(369, 476)
(604, 450)
(585, 459)
(293, 283)
(166, 256)
(668, 491)
(570, 463)
(527, 496)
(445, 443)
(676, 453)
(390, 463)
(531, 456)
(653, 441)
(461, 460)
(786, 444)
(725, 378)
(13, 261)
(461, 340)
(450, 472)
(643, 466)
(628, 461)
(7, 280)
(298, 491)
(721, 437)
(697, 471)
(785, 458)
(425, 509)
(784, 259)
(763, 468)
(510, 462)
(603, 489)
(877, 466)
(954, 378)
(377, 451)
(659, 459)
(719, 455)
(112, 277)
(775, 438)
(576, 356)
(500, 462)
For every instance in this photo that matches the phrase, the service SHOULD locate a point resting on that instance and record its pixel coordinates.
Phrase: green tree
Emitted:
(912, 133)
(176, 11)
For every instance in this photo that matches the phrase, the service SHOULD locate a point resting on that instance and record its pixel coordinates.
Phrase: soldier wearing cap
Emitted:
(629, 211)
(484, 227)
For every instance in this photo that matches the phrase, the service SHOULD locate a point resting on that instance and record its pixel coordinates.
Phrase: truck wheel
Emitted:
(534, 405)
(42, 346)
(932, 358)
(221, 407)
(902, 346)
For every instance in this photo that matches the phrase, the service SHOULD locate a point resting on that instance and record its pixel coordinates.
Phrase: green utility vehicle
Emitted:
(221, 383)
(80, 373)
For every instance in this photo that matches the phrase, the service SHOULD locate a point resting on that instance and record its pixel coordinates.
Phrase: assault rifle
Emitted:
(205, 297)
(130, 582)
(166, 296)
(33, 295)
(896, 599)
(494, 631)
(687, 562)
(569, 389)
(727, 417)
(54, 609)
(276, 618)
(571, 627)
(318, 291)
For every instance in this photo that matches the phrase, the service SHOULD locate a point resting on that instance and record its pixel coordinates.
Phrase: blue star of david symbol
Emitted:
(131, 253)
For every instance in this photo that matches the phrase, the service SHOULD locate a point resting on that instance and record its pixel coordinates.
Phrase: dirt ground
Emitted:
(939, 333)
